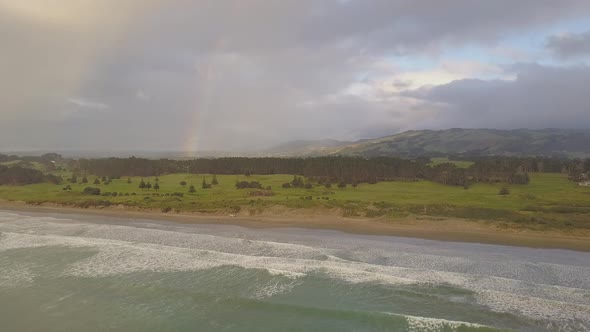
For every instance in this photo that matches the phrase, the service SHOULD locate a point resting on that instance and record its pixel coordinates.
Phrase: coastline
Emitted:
(441, 229)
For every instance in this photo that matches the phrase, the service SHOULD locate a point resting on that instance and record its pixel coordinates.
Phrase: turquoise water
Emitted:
(80, 273)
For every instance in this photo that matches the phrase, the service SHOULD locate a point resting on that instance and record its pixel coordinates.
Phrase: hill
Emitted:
(306, 148)
(482, 142)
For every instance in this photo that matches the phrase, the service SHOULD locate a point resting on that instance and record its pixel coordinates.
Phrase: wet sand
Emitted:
(443, 229)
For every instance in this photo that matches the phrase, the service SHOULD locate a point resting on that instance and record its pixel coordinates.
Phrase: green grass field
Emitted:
(550, 200)
(458, 163)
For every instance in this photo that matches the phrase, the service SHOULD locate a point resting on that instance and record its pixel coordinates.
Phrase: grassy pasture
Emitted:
(549, 200)
(458, 163)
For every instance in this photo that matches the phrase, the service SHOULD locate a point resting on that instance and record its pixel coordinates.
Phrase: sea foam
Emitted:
(511, 286)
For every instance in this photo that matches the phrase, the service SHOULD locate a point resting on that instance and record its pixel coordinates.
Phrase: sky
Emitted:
(231, 75)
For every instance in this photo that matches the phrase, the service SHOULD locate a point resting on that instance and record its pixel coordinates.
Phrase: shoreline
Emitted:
(440, 229)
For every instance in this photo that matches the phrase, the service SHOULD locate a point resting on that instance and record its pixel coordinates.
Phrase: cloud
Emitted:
(570, 45)
(141, 95)
(83, 103)
(249, 74)
(539, 97)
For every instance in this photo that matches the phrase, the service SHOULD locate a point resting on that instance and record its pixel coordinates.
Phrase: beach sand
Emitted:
(443, 229)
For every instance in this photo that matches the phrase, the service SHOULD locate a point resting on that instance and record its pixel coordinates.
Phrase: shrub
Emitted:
(250, 185)
(504, 191)
(91, 191)
(92, 203)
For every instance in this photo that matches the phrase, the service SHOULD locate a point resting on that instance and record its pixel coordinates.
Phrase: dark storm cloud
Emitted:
(236, 74)
(539, 97)
(570, 45)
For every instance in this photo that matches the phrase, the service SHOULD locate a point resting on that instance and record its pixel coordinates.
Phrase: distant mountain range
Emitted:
(413, 143)
(307, 148)
(486, 142)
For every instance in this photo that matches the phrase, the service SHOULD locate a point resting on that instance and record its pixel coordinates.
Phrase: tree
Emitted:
(183, 183)
(97, 181)
(148, 186)
(504, 191)
(214, 180)
(156, 186)
(205, 185)
(128, 180)
(68, 187)
(84, 179)
(342, 185)
(156, 179)
(192, 189)
(104, 179)
(74, 179)
(141, 184)
(16, 176)
(297, 182)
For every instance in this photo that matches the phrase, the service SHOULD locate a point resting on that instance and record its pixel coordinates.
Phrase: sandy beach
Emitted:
(443, 229)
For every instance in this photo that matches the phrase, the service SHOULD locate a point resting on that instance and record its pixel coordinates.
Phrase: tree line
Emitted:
(324, 170)
(18, 176)
(340, 170)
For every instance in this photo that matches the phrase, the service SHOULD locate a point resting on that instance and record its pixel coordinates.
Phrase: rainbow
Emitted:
(207, 78)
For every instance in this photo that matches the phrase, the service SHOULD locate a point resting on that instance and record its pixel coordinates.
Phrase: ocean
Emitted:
(62, 272)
